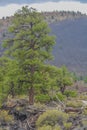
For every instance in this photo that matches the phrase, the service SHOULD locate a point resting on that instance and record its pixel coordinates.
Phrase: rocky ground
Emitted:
(24, 116)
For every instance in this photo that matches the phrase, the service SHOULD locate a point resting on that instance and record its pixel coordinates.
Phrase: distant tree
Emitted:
(74, 76)
(30, 45)
(3, 18)
(85, 79)
(64, 79)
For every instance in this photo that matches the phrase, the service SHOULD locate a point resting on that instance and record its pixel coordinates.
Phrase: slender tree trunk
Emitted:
(12, 91)
(31, 96)
(62, 89)
(31, 90)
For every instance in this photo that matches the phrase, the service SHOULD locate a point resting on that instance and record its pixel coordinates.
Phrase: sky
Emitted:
(9, 7)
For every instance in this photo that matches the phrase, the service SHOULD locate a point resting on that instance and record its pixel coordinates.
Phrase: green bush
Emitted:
(59, 96)
(3, 97)
(42, 98)
(70, 93)
(52, 118)
(67, 125)
(39, 105)
(49, 128)
(73, 115)
(83, 96)
(85, 112)
(45, 128)
(4, 116)
(74, 104)
(57, 128)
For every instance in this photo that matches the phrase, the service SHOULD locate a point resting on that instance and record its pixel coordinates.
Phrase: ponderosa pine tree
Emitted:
(31, 45)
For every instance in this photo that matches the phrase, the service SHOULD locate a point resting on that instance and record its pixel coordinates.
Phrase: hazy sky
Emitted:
(4, 2)
(9, 7)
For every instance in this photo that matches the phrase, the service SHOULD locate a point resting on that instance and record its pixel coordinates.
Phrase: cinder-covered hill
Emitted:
(71, 46)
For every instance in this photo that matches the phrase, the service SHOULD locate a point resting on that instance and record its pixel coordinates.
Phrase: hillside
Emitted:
(70, 29)
(71, 46)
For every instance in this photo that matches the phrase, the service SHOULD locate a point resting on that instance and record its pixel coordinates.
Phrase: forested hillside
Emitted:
(71, 46)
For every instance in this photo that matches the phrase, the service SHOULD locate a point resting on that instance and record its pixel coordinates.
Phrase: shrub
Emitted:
(3, 97)
(70, 93)
(83, 97)
(57, 128)
(42, 98)
(48, 127)
(52, 118)
(39, 105)
(74, 104)
(4, 116)
(59, 96)
(67, 125)
(85, 112)
(73, 115)
(45, 127)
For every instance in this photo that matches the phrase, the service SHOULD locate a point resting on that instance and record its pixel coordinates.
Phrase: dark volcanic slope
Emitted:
(71, 46)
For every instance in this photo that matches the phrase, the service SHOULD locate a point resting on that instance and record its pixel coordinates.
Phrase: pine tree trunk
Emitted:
(12, 91)
(62, 89)
(31, 96)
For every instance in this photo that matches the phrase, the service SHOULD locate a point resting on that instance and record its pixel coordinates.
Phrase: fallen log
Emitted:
(71, 109)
